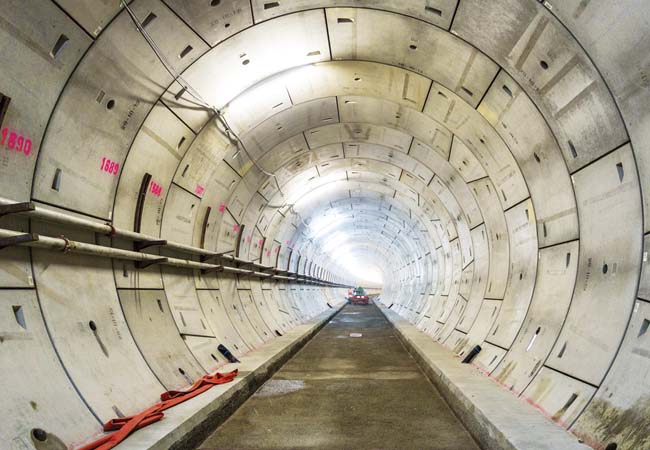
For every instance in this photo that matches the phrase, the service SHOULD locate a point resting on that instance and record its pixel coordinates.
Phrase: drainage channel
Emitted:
(352, 386)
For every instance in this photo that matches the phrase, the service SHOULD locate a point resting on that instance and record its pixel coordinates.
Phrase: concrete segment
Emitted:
(343, 392)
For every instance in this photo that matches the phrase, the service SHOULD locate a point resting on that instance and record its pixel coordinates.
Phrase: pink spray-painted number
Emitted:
(15, 141)
(235, 227)
(222, 207)
(155, 189)
(109, 166)
(199, 190)
(268, 253)
(260, 242)
(249, 238)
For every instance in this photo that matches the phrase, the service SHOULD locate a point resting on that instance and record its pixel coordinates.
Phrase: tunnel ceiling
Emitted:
(488, 159)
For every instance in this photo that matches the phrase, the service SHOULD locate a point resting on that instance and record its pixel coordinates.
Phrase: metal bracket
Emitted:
(18, 239)
(214, 269)
(16, 208)
(141, 245)
(149, 262)
(204, 258)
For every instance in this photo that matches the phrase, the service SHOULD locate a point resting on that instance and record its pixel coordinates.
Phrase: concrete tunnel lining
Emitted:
(488, 158)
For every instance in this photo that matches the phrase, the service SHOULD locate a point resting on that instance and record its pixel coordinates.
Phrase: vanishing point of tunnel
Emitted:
(324, 224)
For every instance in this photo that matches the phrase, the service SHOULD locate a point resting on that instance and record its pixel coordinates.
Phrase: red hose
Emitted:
(123, 426)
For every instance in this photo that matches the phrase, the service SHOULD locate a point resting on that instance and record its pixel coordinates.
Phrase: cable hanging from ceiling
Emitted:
(187, 87)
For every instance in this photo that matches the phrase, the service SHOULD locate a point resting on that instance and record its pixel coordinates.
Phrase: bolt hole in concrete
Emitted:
(42, 440)
(19, 316)
(39, 434)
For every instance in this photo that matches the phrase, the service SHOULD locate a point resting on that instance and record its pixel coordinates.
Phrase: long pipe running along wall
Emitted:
(491, 157)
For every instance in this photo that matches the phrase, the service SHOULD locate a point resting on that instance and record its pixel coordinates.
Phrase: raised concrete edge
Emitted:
(496, 419)
(188, 424)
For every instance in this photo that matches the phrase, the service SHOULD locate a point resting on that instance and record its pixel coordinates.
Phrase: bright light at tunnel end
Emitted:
(361, 269)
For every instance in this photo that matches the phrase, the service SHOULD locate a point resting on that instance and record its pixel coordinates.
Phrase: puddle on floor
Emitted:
(350, 320)
(351, 335)
(279, 387)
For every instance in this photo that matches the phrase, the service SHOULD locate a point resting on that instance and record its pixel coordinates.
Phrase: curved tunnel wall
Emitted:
(489, 157)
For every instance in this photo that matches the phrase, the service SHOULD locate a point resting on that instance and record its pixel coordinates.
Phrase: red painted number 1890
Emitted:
(15, 141)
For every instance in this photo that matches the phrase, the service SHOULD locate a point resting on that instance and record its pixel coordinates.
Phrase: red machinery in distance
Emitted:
(358, 296)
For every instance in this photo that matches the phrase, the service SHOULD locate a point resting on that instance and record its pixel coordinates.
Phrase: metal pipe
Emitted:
(47, 215)
(66, 245)
(69, 246)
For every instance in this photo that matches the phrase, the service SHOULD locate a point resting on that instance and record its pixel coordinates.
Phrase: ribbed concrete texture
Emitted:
(346, 392)
(182, 176)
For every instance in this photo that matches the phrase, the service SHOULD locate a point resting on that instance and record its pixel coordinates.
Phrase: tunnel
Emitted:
(195, 187)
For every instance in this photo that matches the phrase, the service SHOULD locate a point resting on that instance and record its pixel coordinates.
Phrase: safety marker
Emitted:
(356, 334)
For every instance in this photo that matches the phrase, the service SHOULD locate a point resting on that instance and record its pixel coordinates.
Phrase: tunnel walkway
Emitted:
(346, 392)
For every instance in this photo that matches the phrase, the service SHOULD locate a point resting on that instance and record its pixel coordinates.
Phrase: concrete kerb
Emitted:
(186, 425)
(495, 418)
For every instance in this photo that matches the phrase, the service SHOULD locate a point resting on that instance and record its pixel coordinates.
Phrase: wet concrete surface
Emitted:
(343, 392)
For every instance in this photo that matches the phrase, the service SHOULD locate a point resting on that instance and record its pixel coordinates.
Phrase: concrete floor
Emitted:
(342, 392)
